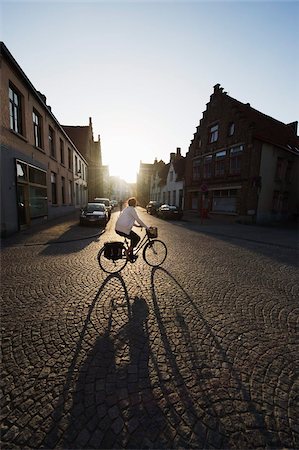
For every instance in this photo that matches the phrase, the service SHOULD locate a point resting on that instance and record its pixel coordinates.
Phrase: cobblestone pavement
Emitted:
(201, 353)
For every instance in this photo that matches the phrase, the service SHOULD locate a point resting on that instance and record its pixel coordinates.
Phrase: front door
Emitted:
(23, 206)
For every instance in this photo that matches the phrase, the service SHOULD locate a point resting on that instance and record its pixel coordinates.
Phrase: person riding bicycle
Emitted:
(125, 222)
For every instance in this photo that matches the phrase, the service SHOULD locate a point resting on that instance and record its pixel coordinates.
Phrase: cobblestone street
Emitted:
(200, 353)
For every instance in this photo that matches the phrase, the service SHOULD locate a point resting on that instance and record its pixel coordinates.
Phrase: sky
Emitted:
(144, 70)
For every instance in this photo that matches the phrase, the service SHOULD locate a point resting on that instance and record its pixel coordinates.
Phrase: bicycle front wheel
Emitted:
(155, 253)
(111, 265)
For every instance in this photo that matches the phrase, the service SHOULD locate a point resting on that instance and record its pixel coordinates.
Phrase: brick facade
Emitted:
(39, 162)
(224, 175)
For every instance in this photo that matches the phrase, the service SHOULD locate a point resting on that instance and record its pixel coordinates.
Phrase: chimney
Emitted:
(43, 97)
(178, 151)
(90, 122)
(172, 156)
(217, 88)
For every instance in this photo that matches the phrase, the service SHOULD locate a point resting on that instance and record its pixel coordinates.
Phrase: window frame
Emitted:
(235, 159)
(54, 188)
(37, 129)
(51, 141)
(213, 133)
(207, 164)
(15, 110)
(62, 155)
(231, 129)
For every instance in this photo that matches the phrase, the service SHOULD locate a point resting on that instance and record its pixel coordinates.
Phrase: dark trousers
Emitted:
(134, 237)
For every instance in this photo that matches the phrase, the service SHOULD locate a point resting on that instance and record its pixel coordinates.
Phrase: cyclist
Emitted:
(124, 224)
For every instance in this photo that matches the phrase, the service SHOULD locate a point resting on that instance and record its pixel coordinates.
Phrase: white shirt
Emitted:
(127, 219)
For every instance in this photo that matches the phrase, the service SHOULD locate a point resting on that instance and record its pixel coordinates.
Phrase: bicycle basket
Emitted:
(113, 250)
(152, 232)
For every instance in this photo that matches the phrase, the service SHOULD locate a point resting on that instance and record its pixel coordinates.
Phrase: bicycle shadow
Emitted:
(210, 408)
(111, 403)
(149, 380)
(56, 433)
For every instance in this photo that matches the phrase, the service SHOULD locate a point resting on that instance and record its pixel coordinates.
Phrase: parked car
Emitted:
(152, 207)
(107, 204)
(170, 212)
(94, 214)
(113, 203)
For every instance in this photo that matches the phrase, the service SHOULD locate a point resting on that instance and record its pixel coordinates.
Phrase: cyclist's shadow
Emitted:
(111, 398)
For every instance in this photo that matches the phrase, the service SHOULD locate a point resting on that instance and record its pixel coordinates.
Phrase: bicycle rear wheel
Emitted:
(111, 265)
(155, 253)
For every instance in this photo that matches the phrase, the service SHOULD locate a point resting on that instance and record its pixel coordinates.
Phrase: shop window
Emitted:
(225, 201)
(37, 176)
(35, 182)
(22, 174)
(38, 201)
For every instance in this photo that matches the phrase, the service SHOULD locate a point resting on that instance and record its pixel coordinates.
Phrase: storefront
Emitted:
(32, 199)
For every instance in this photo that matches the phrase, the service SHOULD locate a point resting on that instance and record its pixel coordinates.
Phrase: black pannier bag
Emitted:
(113, 250)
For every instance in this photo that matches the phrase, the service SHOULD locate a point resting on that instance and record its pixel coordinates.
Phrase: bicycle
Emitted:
(114, 256)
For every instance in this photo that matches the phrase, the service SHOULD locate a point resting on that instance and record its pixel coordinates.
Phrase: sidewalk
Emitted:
(67, 229)
(280, 236)
(59, 230)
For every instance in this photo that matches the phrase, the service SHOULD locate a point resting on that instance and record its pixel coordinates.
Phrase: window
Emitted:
(77, 194)
(61, 151)
(280, 202)
(288, 174)
(235, 154)
(225, 201)
(231, 129)
(196, 170)
(63, 190)
(220, 163)
(69, 156)
(37, 129)
(207, 166)
(37, 176)
(70, 192)
(52, 142)
(35, 181)
(280, 169)
(22, 171)
(15, 110)
(76, 165)
(174, 197)
(213, 134)
(54, 188)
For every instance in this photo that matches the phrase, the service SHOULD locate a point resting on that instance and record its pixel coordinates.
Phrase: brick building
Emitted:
(82, 136)
(43, 175)
(242, 164)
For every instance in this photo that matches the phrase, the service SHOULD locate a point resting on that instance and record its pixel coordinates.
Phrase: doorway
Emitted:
(23, 206)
